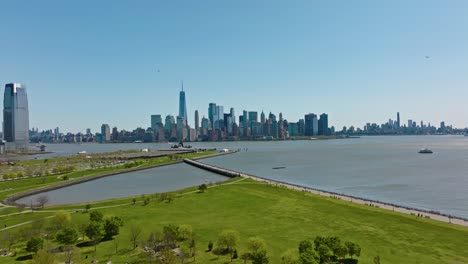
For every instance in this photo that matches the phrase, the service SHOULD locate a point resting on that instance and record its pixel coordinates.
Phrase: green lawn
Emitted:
(283, 218)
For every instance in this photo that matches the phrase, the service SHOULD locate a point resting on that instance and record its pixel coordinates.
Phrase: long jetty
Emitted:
(427, 214)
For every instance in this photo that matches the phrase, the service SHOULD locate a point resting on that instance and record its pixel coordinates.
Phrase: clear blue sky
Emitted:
(91, 62)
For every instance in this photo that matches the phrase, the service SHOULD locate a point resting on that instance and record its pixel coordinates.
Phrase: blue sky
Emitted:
(91, 62)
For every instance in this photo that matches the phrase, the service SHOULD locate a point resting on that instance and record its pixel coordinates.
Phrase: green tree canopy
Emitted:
(67, 236)
(96, 216)
(34, 244)
(112, 226)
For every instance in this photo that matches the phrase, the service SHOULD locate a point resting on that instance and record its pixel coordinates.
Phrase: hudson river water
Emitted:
(385, 168)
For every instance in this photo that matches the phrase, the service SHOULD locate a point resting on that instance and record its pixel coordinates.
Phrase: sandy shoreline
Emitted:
(378, 204)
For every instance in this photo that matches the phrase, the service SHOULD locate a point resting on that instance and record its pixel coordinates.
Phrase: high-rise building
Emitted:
(105, 133)
(168, 122)
(156, 122)
(197, 122)
(218, 117)
(115, 134)
(16, 115)
(253, 116)
(262, 117)
(88, 131)
(211, 113)
(398, 119)
(410, 123)
(183, 105)
(311, 125)
(323, 125)
(233, 116)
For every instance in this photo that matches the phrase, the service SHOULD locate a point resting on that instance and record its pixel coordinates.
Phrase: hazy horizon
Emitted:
(87, 63)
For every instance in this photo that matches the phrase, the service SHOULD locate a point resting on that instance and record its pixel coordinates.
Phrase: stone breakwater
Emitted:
(428, 214)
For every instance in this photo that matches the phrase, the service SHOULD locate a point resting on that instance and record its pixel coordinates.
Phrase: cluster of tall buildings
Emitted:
(219, 125)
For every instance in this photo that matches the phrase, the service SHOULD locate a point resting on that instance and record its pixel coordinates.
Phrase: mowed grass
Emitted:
(283, 218)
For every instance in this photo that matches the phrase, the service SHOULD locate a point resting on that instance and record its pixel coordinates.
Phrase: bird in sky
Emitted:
(427, 57)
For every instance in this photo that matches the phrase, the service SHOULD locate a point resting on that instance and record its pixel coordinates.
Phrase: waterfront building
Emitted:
(323, 125)
(410, 123)
(262, 117)
(181, 128)
(156, 122)
(88, 132)
(310, 123)
(115, 134)
(219, 117)
(245, 120)
(105, 133)
(183, 105)
(169, 122)
(197, 122)
(398, 120)
(211, 113)
(293, 129)
(15, 116)
(253, 116)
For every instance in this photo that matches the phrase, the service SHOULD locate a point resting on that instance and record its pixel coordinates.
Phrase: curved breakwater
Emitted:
(373, 203)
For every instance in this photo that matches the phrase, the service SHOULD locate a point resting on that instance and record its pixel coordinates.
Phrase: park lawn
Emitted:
(283, 218)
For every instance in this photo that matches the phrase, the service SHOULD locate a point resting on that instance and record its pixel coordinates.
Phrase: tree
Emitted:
(309, 257)
(154, 239)
(116, 243)
(134, 200)
(96, 216)
(259, 257)
(42, 200)
(43, 257)
(304, 245)
(184, 232)
(94, 232)
(37, 225)
(289, 257)
(34, 244)
(67, 236)
(170, 235)
(71, 254)
(202, 188)
(135, 232)
(210, 246)
(7, 239)
(228, 239)
(87, 207)
(112, 226)
(255, 244)
(61, 220)
(353, 249)
(167, 256)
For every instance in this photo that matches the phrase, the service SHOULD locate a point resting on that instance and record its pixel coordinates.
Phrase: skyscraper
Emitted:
(323, 125)
(105, 133)
(16, 115)
(398, 119)
(211, 113)
(197, 122)
(310, 121)
(182, 105)
(156, 122)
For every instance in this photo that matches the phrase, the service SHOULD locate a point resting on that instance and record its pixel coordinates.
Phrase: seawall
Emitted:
(372, 203)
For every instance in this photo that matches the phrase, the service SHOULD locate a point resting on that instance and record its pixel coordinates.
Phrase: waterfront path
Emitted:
(377, 204)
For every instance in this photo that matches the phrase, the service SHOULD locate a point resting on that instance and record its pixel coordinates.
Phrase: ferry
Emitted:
(82, 152)
(425, 151)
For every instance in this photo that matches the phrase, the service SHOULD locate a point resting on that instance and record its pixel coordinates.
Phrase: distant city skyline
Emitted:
(359, 62)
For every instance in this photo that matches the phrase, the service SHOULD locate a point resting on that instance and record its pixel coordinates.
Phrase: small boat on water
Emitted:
(277, 168)
(425, 151)
(82, 152)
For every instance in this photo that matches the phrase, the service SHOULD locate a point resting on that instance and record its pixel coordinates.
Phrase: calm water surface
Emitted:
(156, 180)
(382, 168)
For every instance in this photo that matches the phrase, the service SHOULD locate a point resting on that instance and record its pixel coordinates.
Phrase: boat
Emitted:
(425, 151)
(277, 168)
(82, 152)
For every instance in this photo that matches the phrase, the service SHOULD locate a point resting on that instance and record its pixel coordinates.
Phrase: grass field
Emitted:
(283, 218)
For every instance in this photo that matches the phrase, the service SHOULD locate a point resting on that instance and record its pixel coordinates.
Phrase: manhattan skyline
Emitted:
(359, 63)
